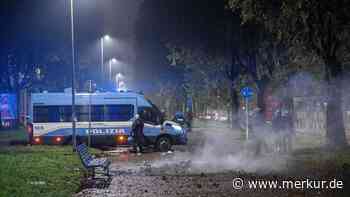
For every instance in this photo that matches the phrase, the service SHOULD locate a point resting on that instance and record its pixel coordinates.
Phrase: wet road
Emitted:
(205, 167)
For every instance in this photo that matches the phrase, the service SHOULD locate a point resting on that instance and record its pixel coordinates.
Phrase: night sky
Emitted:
(140, 30)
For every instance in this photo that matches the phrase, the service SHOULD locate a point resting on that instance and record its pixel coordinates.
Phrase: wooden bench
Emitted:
(91, 163)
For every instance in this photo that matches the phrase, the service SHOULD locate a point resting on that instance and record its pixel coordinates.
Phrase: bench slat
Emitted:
(89, 162)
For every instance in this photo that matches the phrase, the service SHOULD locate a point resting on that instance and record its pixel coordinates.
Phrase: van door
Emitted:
(152, 125)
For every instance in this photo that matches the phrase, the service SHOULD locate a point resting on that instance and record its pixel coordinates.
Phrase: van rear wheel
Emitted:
(164, 144)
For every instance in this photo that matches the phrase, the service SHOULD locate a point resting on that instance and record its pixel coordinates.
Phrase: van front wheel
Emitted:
(164, 144)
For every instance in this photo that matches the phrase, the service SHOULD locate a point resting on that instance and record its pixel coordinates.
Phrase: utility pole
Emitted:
(247, 118)
(89, 132)
(102, 59)
(73, 78)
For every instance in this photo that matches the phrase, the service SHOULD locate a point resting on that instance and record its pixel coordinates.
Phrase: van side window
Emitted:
(65, 113)
(99, 113)
(107, 113)
(119, 112)
(44, 114)
(82, 113)
(41, 114)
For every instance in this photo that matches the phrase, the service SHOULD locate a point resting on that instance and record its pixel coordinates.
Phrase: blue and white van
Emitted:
(103, 118)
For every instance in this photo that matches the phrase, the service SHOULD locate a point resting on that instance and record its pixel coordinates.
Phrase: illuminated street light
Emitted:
(111, 61)
(119, 75)
(117, 78)
(106, 37)
(103, 38)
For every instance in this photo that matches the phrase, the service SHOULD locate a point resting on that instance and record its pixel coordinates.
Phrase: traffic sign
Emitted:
(247, 92)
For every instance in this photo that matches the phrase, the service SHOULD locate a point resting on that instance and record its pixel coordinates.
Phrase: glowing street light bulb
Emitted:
(114, 60)
(119, 75)
(106, 37)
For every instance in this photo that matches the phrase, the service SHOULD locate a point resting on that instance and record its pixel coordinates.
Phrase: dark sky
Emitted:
(196, 23)
(46, 23)
(140, 28)
(36, 28)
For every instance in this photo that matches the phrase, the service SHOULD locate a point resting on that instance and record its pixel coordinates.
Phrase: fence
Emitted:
(310, 115)
(310, 121)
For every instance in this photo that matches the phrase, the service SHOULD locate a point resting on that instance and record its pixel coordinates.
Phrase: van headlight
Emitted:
(177, 128)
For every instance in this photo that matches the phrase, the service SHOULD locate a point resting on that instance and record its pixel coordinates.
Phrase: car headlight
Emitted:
(177, 128)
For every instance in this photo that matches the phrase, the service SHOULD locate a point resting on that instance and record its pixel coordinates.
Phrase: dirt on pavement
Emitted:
(207, 171)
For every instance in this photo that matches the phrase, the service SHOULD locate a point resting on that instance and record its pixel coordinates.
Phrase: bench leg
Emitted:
(108, 171)
(109, 177)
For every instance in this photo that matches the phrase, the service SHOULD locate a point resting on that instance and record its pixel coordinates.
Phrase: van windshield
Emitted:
(155, 108)
(151, 115)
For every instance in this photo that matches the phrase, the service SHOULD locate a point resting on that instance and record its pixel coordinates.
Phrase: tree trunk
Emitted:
(262, 86)
(261, 95)
(335, 132)
(229, 114)
(234, 107)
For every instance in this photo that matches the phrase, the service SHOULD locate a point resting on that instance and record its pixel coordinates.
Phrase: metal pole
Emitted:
(102, 59)
(73, 78)
(247, 119)
(25, 107)
(90, 92)
(110, 70)
(117, 77)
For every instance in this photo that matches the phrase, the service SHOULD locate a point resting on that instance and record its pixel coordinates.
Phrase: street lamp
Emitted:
(106, 37)
(103, 38)
(117, 78)
(73, 76)
(111, 61)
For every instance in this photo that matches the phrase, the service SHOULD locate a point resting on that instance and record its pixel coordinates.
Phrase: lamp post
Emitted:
(73, 77)
(111, 61)
(103, 38)
(89, 133)
(117, 78)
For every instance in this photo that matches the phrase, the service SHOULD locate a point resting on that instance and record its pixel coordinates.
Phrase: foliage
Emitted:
(169, 96)
(255, 59)
(25, 71)
(17, 74)
(204, 74)
(319, 26)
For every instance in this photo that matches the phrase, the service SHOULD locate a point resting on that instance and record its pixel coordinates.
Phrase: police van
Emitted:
(103, 119)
